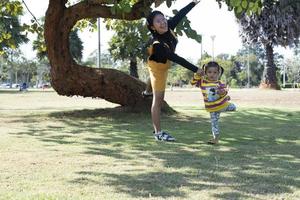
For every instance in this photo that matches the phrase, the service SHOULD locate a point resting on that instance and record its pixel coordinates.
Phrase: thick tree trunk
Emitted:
(133, 71)
(269, 80)
(69, 78)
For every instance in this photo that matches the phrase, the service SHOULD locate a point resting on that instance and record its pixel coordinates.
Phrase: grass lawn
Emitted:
(54, 147)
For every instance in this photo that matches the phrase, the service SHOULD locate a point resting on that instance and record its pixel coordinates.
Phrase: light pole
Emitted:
(248, 68)
(213, 37)
(284, 71)
(99, 44)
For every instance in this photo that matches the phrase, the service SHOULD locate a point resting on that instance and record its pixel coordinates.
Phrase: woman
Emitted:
(161, 53)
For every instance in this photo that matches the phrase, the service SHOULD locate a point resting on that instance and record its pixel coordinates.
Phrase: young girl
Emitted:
(215, 95)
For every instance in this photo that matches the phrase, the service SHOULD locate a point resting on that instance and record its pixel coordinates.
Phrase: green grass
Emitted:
(55, 147)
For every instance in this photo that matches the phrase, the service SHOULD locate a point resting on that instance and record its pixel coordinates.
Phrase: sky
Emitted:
(206, 18)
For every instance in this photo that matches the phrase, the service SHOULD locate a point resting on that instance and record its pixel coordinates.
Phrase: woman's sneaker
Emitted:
(146, 94)
(163, 136)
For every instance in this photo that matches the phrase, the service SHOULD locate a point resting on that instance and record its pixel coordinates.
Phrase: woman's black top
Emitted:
(164, 44)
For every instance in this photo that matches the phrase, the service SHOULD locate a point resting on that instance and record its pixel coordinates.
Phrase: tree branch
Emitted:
(54, 3)
(101, 2)
(95, 9)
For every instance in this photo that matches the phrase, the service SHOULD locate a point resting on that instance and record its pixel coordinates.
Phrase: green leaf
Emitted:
(179, 33)
(244, 4)
(239, 10)
(236, 3)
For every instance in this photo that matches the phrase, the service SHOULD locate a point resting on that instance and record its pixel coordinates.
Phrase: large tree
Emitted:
(68, 77)
(277, 24)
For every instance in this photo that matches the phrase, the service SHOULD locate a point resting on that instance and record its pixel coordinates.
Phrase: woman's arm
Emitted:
(183, 62)
(172, 23)
(161, 54)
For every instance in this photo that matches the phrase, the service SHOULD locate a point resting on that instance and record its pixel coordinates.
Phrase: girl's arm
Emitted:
(172, 23)
(197, 78)
(222, 89)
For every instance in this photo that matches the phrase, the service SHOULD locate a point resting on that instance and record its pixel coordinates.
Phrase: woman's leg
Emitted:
(158, 98)
(148, 91)
(158, 77)
(148, 86)
(157, 102)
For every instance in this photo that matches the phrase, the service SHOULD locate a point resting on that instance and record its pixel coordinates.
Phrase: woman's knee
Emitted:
(158, 98)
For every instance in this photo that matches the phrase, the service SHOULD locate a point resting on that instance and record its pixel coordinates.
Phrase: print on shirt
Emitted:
(212, 94)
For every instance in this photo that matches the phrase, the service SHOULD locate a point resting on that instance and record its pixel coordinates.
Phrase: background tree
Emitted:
(128, 42)
(276, 25)
(293, 69)
(28, 70)
(76, 44)
(297, 50)
(43, 72)
(15, 68)
(106, 60)
(11, 32)
(179, 76)
(239, 73)
(12, 65)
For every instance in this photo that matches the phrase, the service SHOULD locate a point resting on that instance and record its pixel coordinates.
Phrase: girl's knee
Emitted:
(232, 107)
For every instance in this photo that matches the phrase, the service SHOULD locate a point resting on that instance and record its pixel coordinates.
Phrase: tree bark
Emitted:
(269, 80)
(69, 78)
(133, 71)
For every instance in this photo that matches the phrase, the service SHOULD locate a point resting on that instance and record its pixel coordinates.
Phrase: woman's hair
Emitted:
(150, 19)
(211, 64)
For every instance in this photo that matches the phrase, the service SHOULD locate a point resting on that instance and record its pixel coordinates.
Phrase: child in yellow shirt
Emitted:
(215, 95)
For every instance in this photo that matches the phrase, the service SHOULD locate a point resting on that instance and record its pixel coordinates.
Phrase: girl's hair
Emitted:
(213, 64)
(150, 19)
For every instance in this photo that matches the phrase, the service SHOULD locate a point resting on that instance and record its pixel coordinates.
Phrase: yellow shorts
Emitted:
(158, 75)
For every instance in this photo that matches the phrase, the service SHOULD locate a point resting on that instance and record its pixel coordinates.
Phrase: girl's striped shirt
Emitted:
(213, 101)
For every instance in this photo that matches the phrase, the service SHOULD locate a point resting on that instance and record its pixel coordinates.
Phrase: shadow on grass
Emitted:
(258, 154)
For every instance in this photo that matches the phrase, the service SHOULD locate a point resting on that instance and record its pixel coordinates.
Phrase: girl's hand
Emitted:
(196, 1)
(222, 90)
(200, 72)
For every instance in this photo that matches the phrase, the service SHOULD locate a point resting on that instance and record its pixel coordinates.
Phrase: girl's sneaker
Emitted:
(214, 140)
(163, 136)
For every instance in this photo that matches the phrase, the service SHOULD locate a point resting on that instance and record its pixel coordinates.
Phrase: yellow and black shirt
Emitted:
(164, 45)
